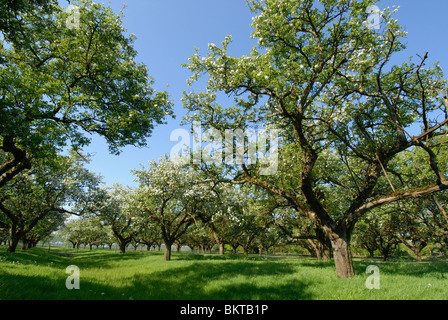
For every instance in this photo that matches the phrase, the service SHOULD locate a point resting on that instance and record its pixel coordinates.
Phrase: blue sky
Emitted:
(168, 31)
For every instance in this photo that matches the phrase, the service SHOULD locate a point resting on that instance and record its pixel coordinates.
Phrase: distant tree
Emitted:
(377, 232)
(304, 232)
(269, 238)
(4, 235)
(215, 212)
(72, 232)
(150, 234)
(44, 228)
(172, 193)
(93, 232)
(116, 210)
(416, 228)
(248, 219)
(196, 237)
(108, 236)
(60, 184)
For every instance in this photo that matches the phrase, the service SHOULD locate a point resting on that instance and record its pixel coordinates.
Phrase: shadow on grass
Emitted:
(196, 278)
(438, 268)
(230, 280)
(188, 276)
(59, 257)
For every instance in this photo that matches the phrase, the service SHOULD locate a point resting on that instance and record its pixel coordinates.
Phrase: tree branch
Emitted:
(400, 195)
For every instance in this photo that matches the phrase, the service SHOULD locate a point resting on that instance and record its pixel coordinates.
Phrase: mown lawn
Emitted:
(104, 275)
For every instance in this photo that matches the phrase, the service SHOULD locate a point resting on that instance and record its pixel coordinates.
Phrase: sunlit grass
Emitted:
(106, 274)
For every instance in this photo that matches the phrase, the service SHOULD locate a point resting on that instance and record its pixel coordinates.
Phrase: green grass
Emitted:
(104, 275)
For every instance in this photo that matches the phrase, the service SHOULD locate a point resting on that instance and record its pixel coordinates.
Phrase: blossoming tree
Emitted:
(327, 80)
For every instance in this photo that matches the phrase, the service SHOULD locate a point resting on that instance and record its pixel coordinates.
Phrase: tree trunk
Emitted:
(342, 256)
(418, 257)
(386, 251)
(326, 253)
(167, 254)
(122, 245)
(219, 242)
(13, 245)
(15, 238)
(323, 243)
(316, 250)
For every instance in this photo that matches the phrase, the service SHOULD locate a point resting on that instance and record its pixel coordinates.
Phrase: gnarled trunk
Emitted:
(342, 255)
(122, 244)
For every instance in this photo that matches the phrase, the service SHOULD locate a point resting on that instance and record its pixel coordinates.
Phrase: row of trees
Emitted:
(176, 204)
(256, 225)
(172, 196)
(39, 200)
(376, 235)
(358, 135)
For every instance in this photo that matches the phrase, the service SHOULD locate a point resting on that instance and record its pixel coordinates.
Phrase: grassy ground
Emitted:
(105, 275)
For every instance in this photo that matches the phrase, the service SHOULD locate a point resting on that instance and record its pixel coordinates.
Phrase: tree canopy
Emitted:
(59, 83)
(348, 113)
